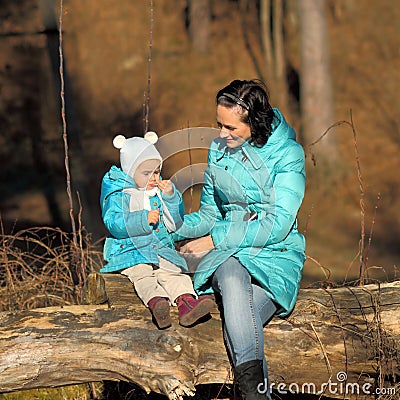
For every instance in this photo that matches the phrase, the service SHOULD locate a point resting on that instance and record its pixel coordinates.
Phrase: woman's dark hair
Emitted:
(252, 96)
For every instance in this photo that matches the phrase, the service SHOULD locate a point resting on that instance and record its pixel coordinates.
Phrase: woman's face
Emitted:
(233, 130)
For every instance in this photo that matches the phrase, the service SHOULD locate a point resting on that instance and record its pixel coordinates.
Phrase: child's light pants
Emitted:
(151, 281)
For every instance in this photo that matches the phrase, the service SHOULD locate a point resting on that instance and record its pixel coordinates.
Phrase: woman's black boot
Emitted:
(250, 377)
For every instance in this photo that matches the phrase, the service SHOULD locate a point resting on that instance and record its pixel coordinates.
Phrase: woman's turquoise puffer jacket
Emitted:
(131, 239)
(269, 181)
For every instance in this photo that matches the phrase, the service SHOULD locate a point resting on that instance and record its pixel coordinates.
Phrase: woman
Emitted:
(246, 225)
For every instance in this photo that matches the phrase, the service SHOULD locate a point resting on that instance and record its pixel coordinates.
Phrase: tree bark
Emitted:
(280, 57)
(266, 39)
(353, 331)
(317, 104)
(199, 24)
(272, 40)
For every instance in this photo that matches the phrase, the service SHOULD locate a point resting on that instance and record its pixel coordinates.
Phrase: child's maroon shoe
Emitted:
(159, 307)
(191, 309)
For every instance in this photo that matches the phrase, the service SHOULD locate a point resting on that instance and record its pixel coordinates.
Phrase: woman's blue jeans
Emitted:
(246, 309)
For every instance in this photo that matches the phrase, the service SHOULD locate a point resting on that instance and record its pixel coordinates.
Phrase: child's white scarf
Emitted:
(140, 200)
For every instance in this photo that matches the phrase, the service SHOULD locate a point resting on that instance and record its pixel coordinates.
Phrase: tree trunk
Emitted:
(280, 57)
(266, 39)
(352, 332)
(272, 40)
(199, 24)
(316, 87)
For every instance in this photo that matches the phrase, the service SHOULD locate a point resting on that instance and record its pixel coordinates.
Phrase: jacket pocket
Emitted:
(115, 247)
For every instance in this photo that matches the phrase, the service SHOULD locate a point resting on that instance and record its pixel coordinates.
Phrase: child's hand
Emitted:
(166, 187)
(153, 216)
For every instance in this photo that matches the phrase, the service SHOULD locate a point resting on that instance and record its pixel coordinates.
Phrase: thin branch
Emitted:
(362, 202)
(371, 230)
(327, 131)
(328, 364)
(362, 265)
(325, 270)
(64, 129)
(342, 327)
(147, 102)
(308, 220)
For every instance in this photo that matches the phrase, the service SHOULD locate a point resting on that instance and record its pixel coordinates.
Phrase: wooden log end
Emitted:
(95, 290)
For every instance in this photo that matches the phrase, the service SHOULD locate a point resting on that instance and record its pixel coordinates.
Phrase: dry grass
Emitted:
(75, 392)
(37, 268)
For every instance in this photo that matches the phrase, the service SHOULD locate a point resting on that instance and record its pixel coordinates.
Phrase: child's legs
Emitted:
(174, 283)
(145, 282)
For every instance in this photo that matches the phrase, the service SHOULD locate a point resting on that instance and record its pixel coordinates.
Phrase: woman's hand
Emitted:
(153, 216)
(198, 247)
(166, 187)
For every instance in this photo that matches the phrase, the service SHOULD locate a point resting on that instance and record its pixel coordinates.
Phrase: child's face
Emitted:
(147, 174)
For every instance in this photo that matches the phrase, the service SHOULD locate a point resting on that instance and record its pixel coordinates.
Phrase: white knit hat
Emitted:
(135, 150)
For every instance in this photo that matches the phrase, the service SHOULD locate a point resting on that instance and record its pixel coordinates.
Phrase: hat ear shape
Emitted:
(119, 141)
(151, 137)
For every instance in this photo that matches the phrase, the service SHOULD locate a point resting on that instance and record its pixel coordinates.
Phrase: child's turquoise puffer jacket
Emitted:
(131, 239)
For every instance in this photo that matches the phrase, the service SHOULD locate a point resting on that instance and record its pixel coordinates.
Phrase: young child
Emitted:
(139, 211)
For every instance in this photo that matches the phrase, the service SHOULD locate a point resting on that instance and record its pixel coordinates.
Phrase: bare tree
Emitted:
(199, 24)
(272, 39)
(317, 104)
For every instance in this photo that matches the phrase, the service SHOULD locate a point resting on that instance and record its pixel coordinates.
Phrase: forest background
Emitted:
(106, 49)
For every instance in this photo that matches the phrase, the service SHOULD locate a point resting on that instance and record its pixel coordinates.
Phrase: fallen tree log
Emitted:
(348, 336)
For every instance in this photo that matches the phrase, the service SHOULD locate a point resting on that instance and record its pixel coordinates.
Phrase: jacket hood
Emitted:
(281, 133)
(115, 180)
(281, 129)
